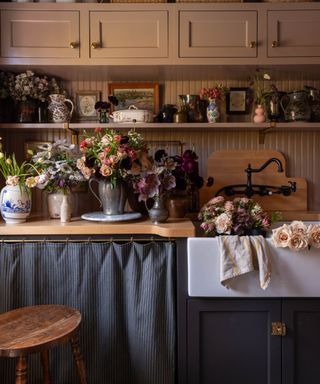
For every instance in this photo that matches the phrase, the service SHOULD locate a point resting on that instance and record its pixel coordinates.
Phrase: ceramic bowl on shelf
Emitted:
(132, 115)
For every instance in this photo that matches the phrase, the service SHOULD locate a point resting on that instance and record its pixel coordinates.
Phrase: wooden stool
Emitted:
(36, 329)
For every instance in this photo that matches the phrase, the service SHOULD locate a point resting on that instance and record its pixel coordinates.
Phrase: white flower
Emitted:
(223, 223)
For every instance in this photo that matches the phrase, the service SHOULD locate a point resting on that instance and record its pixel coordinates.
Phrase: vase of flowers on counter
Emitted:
(15, 197)
(57, 174)
(107, 158)
(242, 216)
(153, 183)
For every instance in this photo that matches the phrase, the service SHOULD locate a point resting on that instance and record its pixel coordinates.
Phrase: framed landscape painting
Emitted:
(141, 95)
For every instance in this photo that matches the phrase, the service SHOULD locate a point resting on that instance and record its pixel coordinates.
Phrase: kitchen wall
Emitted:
(300, 147)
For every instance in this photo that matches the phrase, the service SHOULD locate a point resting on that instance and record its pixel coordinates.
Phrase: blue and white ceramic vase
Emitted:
(15, 204)
(213, 112)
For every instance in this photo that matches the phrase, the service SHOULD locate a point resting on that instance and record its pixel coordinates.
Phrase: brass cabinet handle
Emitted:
(73, 45)
(252, 44)
(95, 45)
(275, 44)
(278, 328)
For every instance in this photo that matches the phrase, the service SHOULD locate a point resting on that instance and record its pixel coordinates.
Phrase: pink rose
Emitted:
(105, 170)
(216, 200)
(298, 241)
(223, 223)
(298, 227)
(281, 236)
(314, 236)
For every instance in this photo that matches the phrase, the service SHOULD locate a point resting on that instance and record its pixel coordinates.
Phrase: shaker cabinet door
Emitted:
(213, 34)
(230, 341)
(293, 33)
(129, 34)
(39, 34)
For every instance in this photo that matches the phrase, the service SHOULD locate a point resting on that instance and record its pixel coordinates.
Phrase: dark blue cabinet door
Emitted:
(301, 345)
(229, 341)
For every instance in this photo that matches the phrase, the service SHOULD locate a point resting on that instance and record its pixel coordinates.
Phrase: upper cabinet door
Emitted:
(129, 34)
(294, 33)
(214, 34)
(39, 34)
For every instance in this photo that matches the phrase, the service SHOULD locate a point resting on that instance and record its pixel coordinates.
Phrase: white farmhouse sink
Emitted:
(294, 274)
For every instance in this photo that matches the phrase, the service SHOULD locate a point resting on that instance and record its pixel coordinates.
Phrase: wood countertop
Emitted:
(77, 226)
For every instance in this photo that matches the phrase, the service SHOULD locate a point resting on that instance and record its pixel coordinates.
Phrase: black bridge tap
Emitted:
(249, 190)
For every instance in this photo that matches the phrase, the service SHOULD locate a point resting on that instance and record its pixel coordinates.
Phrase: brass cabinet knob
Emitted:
(278, 328)
(95, 45)
(73, 45)
(275, 44)
(252, 44)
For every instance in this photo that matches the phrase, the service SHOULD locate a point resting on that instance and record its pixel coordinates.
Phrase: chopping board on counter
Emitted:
(227, 167)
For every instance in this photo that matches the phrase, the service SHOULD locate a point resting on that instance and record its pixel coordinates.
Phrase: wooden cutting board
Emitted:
(228, 168)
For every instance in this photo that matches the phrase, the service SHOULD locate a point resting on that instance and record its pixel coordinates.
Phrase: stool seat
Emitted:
(36, 329)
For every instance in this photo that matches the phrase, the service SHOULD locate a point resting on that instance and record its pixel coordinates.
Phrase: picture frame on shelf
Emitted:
(85, 102)
(33, 146)
(238, 101)
(141, 95)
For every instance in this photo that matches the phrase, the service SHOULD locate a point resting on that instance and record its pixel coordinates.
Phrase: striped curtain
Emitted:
(125, 293)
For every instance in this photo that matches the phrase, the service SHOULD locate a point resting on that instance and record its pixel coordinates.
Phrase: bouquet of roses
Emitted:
(238, 217)
(297, 236)
(111, 155)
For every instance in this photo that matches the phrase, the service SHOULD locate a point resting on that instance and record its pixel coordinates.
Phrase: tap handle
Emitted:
(293, 186)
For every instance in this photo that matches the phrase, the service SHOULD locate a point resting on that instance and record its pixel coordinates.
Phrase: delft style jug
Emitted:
(297, 107)
(58, 108)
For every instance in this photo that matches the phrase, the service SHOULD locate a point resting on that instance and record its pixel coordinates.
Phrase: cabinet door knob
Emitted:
(252, 44)
(275, 44)
(95, 45)
(278, 328)
(73, 45)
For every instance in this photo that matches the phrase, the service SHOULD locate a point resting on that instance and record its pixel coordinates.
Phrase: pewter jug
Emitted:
(273, 106)
(112, 198)
(297, 107)
(58, 108)
(314, 101)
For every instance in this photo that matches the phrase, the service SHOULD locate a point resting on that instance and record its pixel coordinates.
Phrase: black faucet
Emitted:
(249, 190)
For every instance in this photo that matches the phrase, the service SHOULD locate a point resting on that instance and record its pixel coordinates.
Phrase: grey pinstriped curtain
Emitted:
(126, 294)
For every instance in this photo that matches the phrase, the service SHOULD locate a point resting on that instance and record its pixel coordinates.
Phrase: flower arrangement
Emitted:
(56, 168)
(157, 178)
(217, 92)
(27, 85)
(237, 217)
(257, 83)
(297, 236)
(111, 155)
(104, 106)
(14, 173)
(186, 172)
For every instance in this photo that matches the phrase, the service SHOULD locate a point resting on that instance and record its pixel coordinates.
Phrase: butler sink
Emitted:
(294, 274)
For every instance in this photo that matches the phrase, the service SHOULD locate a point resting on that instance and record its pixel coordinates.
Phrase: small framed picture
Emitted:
(141, 95)
(238, 101)
(32, 147)
(85, 102)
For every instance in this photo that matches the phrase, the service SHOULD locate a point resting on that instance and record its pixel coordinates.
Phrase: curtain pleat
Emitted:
(125, 293)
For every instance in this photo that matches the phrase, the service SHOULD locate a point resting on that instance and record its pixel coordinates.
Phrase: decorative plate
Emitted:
(100, 216)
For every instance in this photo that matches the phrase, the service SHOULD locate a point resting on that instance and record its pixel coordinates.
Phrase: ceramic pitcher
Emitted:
(58, 108)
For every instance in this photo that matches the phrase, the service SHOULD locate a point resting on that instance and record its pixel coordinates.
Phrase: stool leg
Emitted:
(45, 366)
(78, 359)
(21, 370)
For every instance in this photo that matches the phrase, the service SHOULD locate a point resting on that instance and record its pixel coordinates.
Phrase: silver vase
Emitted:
(158, 213)
(112, 198)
